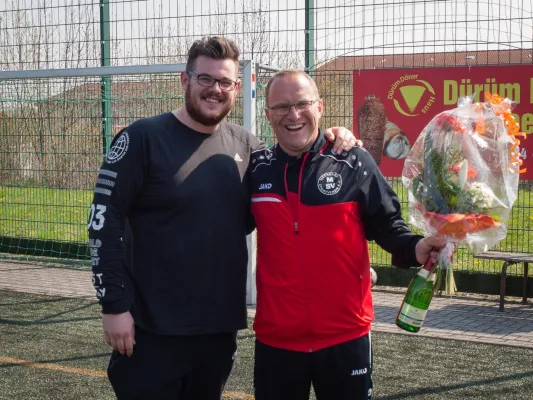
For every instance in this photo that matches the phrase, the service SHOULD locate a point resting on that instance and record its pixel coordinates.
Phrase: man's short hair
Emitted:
(214, 47)
(290, 72)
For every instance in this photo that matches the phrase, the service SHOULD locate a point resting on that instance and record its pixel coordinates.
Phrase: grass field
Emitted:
(61, 215)
(49, 214)
(51, 348)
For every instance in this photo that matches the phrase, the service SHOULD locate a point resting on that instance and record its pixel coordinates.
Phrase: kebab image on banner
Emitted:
(395, 144)
(462, 180)
(379, 135)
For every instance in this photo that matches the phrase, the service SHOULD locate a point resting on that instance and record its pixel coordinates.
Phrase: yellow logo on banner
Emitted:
(411, 96)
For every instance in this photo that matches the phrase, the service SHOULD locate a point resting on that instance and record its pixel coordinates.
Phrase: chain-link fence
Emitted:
(53, 130)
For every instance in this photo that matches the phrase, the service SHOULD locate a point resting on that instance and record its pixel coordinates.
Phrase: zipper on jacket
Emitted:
(296, 232)
(300, 175)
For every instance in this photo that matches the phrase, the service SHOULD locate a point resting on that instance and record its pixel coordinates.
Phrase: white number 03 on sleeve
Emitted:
(97, 219)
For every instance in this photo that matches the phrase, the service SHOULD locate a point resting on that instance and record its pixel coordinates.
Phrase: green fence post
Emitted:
(105, 61)
(309, 36)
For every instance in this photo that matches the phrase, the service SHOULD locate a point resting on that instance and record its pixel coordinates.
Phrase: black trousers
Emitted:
(339, 372)
(173, 367)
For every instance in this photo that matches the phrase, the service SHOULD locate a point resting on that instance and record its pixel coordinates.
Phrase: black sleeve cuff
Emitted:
(407, 258)
(116, 307)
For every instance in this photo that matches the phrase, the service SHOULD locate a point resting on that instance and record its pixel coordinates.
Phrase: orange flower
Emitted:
(480, 126)
(513, 129)
(471, 173)
(458, 226)
(449, 123)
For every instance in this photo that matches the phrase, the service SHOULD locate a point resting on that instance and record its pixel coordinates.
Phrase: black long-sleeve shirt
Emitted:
(168, 226)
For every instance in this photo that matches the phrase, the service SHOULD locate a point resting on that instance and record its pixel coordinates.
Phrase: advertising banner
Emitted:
(412, 97)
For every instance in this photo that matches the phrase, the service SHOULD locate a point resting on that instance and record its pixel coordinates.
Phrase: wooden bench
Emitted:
(509, 259)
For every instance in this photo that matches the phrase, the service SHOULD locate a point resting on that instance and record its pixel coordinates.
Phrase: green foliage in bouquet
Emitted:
(442, 185)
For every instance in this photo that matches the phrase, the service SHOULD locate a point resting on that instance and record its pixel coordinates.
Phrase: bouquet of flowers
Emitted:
(462, 176)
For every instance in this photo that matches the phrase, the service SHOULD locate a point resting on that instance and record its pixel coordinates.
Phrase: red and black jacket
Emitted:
(314, 215)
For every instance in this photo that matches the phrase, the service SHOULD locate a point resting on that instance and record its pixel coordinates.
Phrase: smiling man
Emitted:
(314, 211)
(167, 233)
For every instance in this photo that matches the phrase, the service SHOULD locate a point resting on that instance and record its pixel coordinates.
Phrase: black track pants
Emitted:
(173, 367)
(340, 372)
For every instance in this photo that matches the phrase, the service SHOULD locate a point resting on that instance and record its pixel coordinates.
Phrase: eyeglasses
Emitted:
(284, 109)
(208, 81)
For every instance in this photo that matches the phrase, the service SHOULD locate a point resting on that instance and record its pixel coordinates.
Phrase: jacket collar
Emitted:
(314, 151)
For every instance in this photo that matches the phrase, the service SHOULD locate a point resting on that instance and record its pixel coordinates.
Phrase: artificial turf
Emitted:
(63, 339)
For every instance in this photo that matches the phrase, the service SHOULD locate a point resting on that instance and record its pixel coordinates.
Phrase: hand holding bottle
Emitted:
(429, 247)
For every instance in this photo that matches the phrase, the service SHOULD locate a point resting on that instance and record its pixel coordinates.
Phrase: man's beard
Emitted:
(196, 114)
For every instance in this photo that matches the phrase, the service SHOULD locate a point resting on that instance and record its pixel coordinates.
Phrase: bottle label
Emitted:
(412, 315)
(420, 297)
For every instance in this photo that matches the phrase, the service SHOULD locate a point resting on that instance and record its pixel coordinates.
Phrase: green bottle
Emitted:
(416, 301)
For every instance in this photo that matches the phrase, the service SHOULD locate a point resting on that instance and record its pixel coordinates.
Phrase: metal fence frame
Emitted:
(103, 26)
(247, 69)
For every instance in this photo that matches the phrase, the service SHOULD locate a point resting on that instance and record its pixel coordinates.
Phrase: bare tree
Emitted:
(43, 121)
(250, 25)
(58, 120)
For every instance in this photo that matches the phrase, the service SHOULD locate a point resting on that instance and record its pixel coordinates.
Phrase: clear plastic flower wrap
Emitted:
(462, 175)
